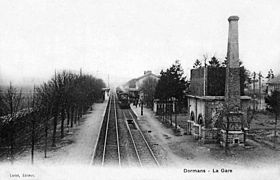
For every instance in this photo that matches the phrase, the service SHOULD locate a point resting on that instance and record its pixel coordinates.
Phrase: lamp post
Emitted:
(141, 108)
(174, 100)
(141, 102)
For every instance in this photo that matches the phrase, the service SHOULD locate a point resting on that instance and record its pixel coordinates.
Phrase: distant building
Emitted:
(135, 84)
(273, 84)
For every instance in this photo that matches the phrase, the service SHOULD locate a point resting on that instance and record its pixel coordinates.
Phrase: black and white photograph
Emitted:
(139, 89)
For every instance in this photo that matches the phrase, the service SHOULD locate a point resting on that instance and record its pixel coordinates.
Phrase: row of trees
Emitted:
(68, 96)
(60, 102)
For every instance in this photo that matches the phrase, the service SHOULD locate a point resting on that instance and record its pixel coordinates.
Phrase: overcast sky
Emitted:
(122, 38)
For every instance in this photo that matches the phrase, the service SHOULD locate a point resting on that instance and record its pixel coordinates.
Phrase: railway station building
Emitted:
(133, 86)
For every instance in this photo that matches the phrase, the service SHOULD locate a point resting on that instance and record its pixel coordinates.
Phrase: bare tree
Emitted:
(12, 100)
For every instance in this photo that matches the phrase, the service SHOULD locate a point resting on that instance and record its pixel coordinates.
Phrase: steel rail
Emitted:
(116, 119)
(98, 136)
(147, 144)
(106, 133)
(134, 144)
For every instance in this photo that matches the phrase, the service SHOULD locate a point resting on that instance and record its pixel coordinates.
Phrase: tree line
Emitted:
(67, 95)
(57, 103)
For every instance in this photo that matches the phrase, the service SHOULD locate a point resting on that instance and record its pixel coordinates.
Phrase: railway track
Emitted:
(107, 150)
(135, 149)
(144, 153)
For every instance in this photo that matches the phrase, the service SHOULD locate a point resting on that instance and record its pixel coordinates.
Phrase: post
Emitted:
(254, 92)
(260, 90)
(175, 114)
(141, 108)
(164, 110)
(161, 111)
(171, 113)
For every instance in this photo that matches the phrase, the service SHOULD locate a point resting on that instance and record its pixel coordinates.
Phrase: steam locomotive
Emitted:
(123, 99)
(126, 97)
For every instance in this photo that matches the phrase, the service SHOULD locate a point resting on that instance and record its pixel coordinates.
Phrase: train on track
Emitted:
(123, 100)
(126, 97)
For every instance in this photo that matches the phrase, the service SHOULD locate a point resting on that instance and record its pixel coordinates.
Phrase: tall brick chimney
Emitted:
(232, 133)
(232, 89)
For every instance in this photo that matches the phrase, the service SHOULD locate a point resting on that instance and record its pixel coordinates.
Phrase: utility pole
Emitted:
(141, 102)
(204, 75)
(254, 91)
(141, 108)
(260, 89)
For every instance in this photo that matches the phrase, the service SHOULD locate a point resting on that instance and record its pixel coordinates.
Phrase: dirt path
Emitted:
(177, 150)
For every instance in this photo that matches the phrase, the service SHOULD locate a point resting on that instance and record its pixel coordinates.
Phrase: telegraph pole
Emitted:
(260, 88)
(254, 91)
